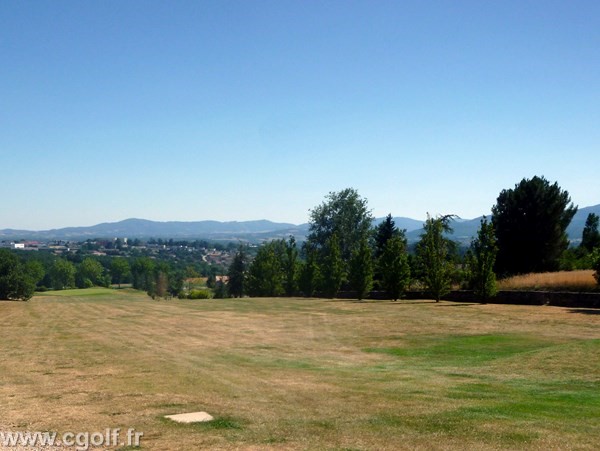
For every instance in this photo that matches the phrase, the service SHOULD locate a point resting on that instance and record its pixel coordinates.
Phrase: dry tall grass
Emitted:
(582, 280)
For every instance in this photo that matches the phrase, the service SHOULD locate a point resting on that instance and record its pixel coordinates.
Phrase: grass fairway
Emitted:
(302, 373)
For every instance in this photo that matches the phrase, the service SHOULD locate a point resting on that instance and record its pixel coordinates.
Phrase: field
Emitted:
(581, 280)
(302, 373)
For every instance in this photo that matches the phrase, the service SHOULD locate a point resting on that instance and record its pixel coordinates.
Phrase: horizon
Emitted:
(459, 218)
(233, 110)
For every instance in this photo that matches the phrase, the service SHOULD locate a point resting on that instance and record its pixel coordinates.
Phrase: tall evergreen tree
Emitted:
(481, 261)
(290, 267)
(433, 253)
(361, 270)
(332, 269)
(237, 274)
(530, 222)
(590, 238)
(385, 231)
(310, 274)
(394, 267)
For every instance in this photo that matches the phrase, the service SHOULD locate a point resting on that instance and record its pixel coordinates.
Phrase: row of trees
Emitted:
(20, 278)
(527, 233)
(344, 251)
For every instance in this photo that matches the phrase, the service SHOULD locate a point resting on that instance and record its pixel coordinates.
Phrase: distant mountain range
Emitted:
(143, 228)
(253, 231)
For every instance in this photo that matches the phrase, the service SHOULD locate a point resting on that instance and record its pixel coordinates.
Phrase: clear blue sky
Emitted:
(239, 110)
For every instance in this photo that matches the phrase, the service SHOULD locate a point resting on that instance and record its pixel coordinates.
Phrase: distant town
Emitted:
(214, 254)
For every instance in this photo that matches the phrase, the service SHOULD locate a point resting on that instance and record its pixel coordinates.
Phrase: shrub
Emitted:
(199, 294)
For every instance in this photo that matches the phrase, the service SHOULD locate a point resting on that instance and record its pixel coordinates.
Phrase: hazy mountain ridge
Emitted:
(258, 230)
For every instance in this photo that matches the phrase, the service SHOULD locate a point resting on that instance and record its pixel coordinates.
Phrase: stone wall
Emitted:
(554, 298)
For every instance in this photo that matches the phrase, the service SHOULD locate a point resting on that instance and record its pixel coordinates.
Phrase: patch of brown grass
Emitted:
(289, 373)
(581, 280)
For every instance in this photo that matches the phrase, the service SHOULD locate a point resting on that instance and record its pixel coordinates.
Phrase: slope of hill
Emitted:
(142, 228)
(465, 230)
(255, 231)
(575, 229)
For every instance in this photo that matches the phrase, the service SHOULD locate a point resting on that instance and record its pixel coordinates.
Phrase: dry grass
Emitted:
(303, 373)
(582, 280)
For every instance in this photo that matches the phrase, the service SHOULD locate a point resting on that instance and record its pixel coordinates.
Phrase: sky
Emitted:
(244, 110)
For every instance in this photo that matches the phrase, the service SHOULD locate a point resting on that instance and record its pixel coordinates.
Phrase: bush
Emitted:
(199, 294)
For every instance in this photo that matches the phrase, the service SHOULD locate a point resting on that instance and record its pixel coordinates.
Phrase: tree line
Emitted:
(21, 276)
(343, 251)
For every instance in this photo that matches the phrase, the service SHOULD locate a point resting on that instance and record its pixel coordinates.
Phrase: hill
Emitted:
(142, 228)
(253, 231)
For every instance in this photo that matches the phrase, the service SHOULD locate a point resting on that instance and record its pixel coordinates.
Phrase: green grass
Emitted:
(302, 373)
(467, 350)
(80, 293)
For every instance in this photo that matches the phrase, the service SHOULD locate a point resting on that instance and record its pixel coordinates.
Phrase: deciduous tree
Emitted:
(89, 273)
(266, 273)
(15, 281)
(433, 253)
(120, 270)
(344, 214)
(62, 274)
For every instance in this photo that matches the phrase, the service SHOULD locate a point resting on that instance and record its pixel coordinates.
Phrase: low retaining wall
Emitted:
(554, 298)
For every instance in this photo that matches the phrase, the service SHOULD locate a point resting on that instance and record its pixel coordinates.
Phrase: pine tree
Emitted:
(394, 267)
(384, 232)
(530, 222)
(237, 274)
(361, 270)
(291, 267)
(481, 262)
(310, 274)
(590, 238)
(333, 267)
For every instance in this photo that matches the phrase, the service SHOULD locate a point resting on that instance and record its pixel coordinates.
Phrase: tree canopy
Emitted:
(590, 238)
(236, 285)
(434, 256)
(17, 280)
(344, 214)
(394, 267)
(530, 223)
(481, 260)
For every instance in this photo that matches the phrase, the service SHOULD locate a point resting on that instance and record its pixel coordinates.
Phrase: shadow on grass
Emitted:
(382, 301)
(585, 311)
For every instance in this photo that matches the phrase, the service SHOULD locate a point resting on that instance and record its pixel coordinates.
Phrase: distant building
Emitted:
(17, 245)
